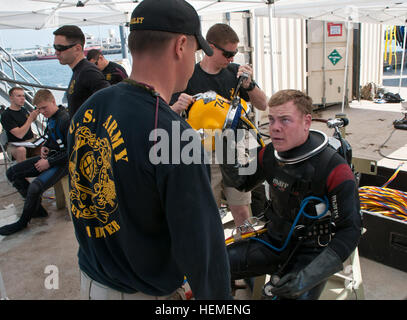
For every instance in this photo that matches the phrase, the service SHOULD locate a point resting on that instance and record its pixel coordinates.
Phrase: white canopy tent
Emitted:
(42, 14)
(391, 12)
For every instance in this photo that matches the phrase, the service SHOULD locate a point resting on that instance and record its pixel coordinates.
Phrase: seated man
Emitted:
(48, 168)
(113, 72)
(17, 122)
(313, 219)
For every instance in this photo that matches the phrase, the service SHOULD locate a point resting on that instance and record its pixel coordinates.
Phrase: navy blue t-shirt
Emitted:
(86, 80)
(11, 119)
(223, 83)
(142, 226)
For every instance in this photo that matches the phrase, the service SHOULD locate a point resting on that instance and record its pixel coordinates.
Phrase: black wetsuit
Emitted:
(326, 174)
(86, 80)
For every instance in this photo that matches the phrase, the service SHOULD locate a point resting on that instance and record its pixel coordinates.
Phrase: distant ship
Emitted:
(105, 51)
(46, 57)
(110, 45)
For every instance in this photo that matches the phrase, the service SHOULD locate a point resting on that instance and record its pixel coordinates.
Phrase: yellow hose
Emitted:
(386, 201)
(259, 139)
(385, 44)
(244, 236)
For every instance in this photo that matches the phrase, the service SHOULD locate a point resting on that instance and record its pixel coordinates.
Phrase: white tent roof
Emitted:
(390, 12)
(41, 14)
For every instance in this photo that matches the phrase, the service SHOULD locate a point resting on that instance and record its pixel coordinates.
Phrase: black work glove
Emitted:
(292, 285)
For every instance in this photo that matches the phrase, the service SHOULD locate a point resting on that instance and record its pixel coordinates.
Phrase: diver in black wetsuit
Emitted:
(313, 219)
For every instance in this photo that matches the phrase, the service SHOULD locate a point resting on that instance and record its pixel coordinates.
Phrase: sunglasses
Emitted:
(60, 47)
(226, 54)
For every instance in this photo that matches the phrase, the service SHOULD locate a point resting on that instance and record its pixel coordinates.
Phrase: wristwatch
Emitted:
(251, 86)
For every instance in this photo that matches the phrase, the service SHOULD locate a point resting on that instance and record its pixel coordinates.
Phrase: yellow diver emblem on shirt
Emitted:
(93, 193)
(71, 87)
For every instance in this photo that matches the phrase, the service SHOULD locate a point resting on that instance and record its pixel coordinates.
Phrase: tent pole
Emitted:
(324, 66)
(256, 59)
(123, 41)
(402, 56)
(271, 37)
(345, 82)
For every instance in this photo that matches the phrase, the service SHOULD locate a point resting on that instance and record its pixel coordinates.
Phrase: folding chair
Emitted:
(3, 145)
(347, 284)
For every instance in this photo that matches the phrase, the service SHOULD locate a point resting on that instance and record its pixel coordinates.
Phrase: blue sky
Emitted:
(23, 38)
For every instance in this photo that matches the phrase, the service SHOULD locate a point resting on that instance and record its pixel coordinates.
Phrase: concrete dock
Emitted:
(30, 258)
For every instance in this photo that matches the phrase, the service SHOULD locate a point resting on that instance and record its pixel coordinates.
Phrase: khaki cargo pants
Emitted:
(93, 290)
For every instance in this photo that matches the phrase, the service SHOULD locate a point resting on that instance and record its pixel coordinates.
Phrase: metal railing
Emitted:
(7, 60)
(13, 73)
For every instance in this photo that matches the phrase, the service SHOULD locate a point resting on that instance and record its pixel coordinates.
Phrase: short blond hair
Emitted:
(299, 98)
(43, 95)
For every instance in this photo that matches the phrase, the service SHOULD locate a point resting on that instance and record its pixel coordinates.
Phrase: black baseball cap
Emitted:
(176, 16)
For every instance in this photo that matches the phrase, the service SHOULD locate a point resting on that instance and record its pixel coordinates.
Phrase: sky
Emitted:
(24, 38)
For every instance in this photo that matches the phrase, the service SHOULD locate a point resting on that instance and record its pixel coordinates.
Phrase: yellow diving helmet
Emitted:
(211, 113)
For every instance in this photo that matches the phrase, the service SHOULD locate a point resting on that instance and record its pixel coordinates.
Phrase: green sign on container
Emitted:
(334, 57)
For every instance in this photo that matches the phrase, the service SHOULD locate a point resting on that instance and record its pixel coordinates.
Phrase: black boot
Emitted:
(40, 213)
(31, 207)
(14, 227)
(20, 224)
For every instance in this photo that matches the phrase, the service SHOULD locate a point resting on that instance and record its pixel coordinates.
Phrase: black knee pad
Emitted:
(35, 188)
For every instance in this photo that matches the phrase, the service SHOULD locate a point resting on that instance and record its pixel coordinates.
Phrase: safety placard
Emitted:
(334, 29)
(334, 57)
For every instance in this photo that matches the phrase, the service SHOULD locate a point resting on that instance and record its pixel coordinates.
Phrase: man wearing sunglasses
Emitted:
(86, 79)
(218, 73)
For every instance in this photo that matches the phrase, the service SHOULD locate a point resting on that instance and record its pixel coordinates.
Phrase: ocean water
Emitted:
(52, 73)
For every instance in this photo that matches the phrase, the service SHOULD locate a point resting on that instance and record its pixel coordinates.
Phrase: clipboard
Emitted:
(29, 144)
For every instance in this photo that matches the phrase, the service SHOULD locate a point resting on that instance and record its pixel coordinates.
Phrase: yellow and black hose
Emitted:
(386, 201)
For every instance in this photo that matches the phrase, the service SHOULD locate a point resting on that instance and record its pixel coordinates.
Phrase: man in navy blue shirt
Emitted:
(86, 79)
(142, 225)
(113, 72)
